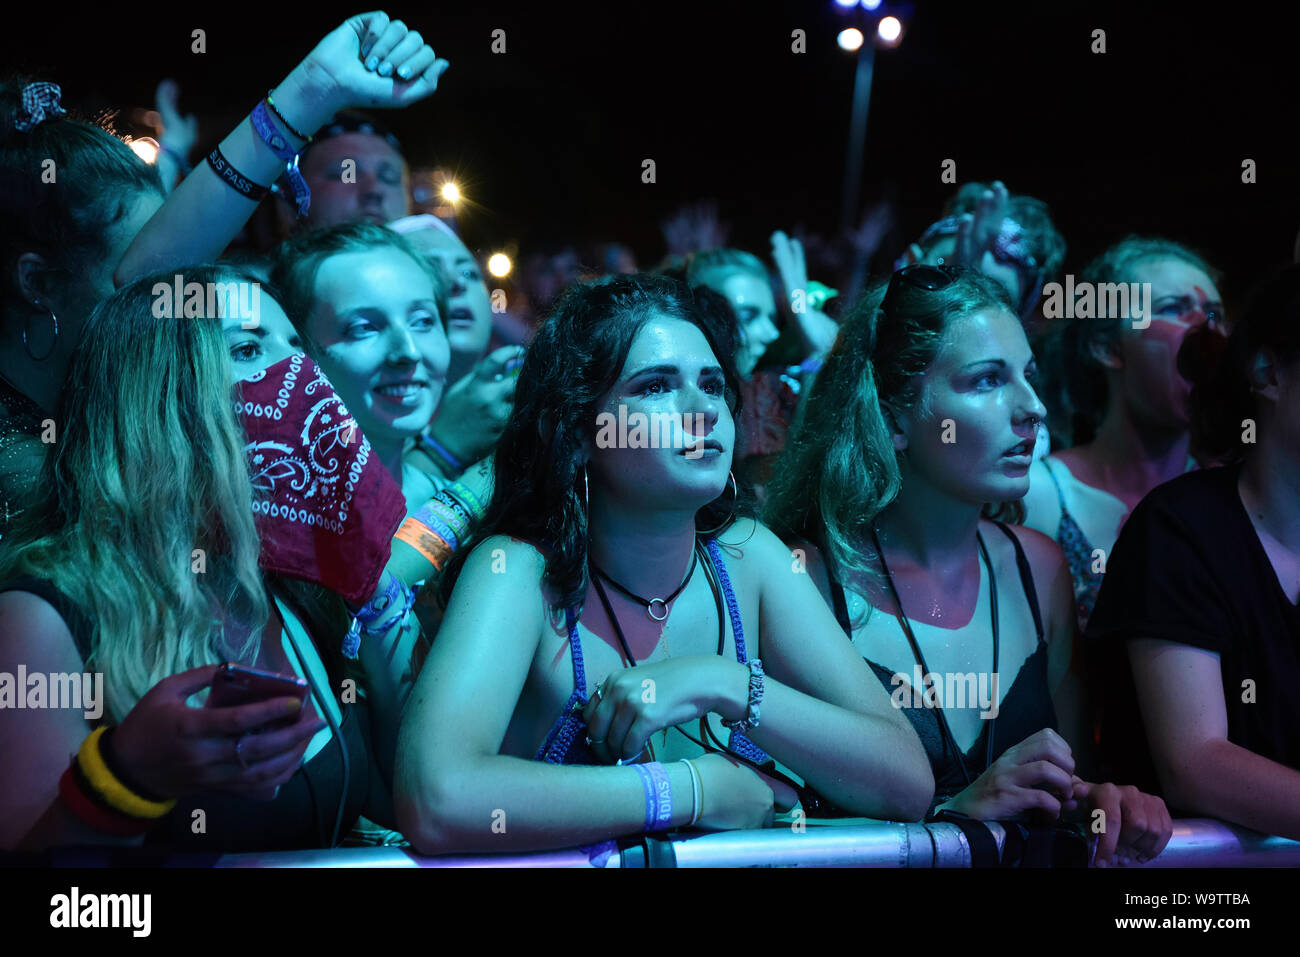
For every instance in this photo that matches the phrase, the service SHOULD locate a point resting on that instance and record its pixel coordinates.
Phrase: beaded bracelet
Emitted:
(750, 721)
(270, 101)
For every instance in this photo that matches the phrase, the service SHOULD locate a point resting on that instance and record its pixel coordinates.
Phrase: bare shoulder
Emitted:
(1043, 552)
(751, 541)
(33, 632)
(511, 557)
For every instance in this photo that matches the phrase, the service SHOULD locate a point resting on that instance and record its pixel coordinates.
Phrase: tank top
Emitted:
(1025, 709)
(302, 815)
(1078, 555)
(567, 741)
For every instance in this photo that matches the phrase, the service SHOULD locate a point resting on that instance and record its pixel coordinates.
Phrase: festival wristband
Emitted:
(658, 796)
(280, 147)
(423, 540)
(236, 180)
(468, 498)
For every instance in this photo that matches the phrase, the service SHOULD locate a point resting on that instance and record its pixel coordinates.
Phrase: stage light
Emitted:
(850, 39)
(871, 4)
(145, 147)
(890, 31)
(499, 265)
(451, 192)
(846, 3)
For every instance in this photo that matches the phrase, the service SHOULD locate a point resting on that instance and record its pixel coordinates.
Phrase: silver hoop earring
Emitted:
(53, 345)
(735, 501)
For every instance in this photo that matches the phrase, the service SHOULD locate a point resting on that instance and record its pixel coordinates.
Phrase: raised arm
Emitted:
(1181, 692)
(368, 61)
(824, 714)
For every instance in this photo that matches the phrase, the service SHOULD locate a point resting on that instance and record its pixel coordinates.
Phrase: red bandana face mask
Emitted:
(326, 509)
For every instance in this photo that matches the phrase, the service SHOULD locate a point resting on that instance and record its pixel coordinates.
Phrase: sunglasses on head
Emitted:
(918, 276)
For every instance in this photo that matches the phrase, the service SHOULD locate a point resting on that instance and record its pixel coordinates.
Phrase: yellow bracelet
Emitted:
(115, 794)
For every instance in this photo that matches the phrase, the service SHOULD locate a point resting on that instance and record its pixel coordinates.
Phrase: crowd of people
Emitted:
(916, 550)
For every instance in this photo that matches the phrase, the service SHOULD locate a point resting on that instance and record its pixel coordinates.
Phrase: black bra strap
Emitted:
(1026, 578)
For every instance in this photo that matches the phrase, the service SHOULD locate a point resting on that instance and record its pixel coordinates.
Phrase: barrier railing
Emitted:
(1196, 842)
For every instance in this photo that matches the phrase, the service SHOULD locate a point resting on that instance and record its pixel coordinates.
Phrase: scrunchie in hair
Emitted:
(40, 103)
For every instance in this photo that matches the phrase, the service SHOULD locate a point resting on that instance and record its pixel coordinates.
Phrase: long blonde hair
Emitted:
(145, 499)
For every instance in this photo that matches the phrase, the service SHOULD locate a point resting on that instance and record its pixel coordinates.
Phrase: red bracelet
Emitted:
(88, 812)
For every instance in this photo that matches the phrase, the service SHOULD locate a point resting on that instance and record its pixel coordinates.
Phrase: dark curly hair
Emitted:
(575, 359)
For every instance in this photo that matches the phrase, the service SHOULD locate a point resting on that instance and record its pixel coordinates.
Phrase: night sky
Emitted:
(548, 138)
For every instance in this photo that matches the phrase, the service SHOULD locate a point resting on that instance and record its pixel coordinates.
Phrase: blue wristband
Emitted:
(438, 449)
(658, 796)
(281, 148)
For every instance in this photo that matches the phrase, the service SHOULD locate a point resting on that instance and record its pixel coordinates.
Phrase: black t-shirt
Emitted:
(1189, 568)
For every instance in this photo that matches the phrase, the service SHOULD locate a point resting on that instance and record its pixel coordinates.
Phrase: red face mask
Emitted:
(326, 509)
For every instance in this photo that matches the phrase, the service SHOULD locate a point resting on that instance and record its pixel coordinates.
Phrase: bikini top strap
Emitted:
(738, 630)
(575, 651)
(1060, 492)
(1026, 578)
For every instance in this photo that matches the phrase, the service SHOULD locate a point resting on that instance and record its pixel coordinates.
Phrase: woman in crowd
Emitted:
(922, 416)
(548, 659)
(770, 398)
(139, 560)
(481, 387)
(366, 304)
(1199, 603)
(1124, 365)
(80, 213)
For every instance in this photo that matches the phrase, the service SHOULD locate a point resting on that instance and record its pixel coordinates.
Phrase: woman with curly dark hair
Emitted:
(550, 655)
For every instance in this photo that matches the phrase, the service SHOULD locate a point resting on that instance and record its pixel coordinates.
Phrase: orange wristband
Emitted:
(425, 541)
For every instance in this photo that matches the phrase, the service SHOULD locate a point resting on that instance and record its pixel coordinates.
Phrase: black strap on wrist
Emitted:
(233, 178)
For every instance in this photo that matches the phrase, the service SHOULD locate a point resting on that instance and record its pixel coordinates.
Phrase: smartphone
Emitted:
(235, 685)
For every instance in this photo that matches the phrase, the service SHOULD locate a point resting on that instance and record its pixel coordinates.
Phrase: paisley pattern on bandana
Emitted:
(326, 509)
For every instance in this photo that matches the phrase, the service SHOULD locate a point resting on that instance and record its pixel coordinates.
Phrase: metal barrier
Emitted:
(1196, 842)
